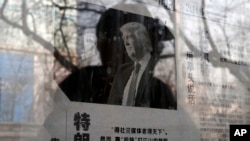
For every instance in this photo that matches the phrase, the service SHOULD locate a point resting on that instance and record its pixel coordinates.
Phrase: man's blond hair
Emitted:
(140, 33)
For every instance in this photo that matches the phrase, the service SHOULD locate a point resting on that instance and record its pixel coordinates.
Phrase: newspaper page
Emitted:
(199, 52)
(213, 65)
(124, 70)
(129, 90)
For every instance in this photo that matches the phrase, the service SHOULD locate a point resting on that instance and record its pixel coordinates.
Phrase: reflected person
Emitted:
(134, 84)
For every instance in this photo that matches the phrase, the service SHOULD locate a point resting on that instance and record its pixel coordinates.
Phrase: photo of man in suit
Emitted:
(134, 83)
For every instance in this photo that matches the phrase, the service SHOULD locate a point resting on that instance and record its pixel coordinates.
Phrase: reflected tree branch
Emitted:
(25, 29)
(65, 7)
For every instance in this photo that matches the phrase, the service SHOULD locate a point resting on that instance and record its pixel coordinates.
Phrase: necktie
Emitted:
(132, 88)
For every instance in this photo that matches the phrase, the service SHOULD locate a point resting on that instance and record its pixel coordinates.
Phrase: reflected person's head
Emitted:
(136, 40)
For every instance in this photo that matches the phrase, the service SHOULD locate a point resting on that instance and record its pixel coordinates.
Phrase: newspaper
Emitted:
(192, 83)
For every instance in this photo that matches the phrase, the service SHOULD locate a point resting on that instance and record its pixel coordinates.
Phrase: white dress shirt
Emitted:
(143, 62)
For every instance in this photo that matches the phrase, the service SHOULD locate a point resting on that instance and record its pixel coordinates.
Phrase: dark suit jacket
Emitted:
(151, 91)
(89, 84)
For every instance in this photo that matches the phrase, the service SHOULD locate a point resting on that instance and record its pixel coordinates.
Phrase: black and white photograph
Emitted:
(137, 61)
